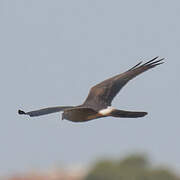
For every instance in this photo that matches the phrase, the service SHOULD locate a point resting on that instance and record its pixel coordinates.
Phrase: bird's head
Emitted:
(63, 116)
(67, 115)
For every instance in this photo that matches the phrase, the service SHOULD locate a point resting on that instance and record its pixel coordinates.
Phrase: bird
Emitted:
(98, 102)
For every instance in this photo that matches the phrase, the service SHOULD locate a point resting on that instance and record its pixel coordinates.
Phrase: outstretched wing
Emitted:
(102, 94)
(45, 111)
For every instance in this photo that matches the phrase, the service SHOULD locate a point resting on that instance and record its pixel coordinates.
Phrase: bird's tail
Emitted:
(127, 114)
(44, 111)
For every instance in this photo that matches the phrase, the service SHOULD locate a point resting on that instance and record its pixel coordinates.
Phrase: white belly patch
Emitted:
(106, 111)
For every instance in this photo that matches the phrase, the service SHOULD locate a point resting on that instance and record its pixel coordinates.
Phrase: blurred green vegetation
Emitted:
(133, 167)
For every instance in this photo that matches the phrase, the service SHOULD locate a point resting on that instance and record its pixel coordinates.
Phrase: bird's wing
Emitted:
(102, 94)
(45, 111)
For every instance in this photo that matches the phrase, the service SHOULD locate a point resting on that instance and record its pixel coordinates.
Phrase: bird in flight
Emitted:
(99, 99)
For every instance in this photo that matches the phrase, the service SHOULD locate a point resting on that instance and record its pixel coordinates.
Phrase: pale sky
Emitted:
(53, 51)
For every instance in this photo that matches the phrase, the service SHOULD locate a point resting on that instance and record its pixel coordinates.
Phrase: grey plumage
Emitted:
(102, 94)
(45, 111)
(100, 98)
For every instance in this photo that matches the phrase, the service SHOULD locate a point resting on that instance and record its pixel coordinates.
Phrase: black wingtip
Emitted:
(21, 112)
(135, 66)
(152, 63)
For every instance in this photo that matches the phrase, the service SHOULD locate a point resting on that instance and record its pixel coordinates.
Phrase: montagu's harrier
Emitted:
(98, 102)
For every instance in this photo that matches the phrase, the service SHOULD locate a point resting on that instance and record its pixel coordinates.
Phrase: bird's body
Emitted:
(98, 102)
(79, 114)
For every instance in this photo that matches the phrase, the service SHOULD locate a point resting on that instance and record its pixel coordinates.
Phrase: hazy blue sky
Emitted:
(53, 51)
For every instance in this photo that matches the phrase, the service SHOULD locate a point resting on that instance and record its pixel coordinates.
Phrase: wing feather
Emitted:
(45, 111)
(102, 94)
